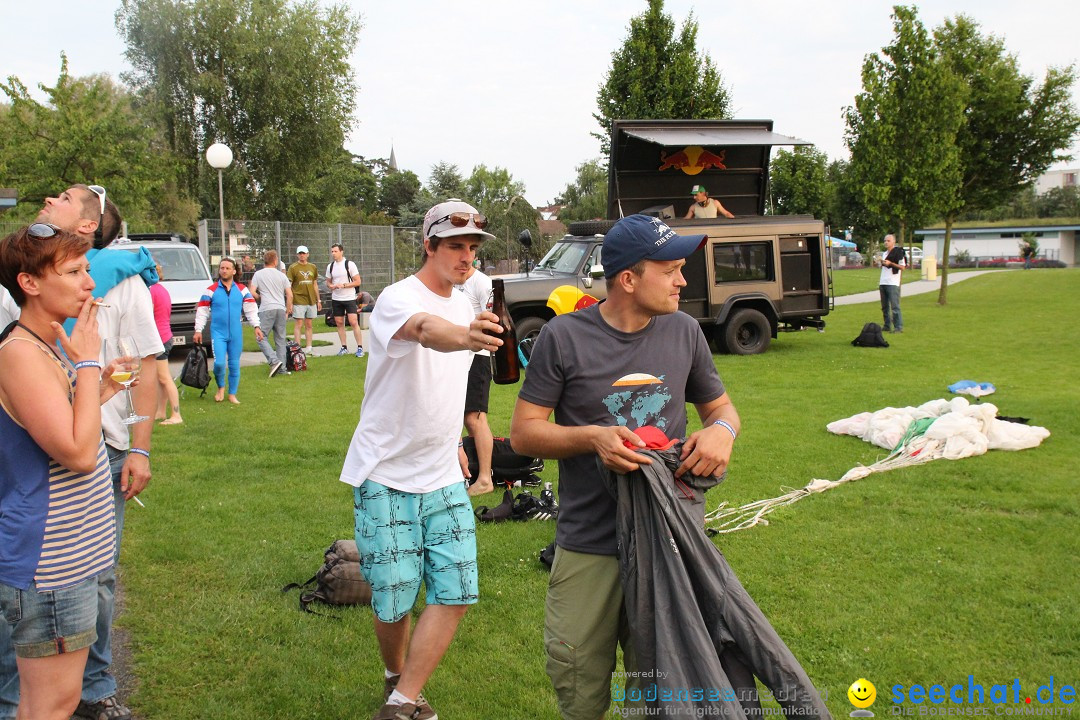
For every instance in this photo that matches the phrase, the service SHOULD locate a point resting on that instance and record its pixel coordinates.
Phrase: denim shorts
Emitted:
(299, 312)
(165, 353)
(404, 538)
(51, 622)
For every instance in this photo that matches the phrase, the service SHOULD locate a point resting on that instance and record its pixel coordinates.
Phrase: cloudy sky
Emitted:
(514, 84)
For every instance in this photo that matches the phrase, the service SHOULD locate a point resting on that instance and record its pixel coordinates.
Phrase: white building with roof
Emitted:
(1056, 242)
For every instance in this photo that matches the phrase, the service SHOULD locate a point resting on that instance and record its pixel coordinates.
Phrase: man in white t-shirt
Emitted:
(892, 266)
(272, 289)
(477, 287)
(413, 517)
(343, 279)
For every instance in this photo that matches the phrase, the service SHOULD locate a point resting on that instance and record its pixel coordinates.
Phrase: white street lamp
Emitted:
(220, 157)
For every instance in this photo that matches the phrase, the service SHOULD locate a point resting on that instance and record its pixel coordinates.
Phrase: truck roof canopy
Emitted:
(657, 162)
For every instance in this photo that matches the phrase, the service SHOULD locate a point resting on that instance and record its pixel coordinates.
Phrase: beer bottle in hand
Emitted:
(504, 360)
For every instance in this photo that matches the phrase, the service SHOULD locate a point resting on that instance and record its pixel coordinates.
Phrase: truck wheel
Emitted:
(746, 332)
(527, 330)
(590, 227)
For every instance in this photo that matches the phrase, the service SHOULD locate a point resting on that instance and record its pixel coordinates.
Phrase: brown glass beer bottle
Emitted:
(505, 369)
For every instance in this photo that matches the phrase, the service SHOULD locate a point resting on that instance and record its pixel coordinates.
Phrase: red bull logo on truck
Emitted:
(692, 160)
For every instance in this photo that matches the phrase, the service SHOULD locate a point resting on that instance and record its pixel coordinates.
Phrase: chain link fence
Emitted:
(371, 247)
(383, 254)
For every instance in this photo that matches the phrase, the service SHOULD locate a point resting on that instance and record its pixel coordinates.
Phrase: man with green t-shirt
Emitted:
(306, 302)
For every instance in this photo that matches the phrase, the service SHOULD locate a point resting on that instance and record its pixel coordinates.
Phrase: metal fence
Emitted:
(371, 247)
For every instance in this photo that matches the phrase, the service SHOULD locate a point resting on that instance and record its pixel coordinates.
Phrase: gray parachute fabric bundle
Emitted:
(697, 634)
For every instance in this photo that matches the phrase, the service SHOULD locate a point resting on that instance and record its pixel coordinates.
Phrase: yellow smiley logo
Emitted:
(862, 693)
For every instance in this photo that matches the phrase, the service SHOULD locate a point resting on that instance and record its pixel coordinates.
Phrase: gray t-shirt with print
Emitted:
(593, 374)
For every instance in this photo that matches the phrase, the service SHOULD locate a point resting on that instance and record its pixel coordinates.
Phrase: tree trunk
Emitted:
(943, 265)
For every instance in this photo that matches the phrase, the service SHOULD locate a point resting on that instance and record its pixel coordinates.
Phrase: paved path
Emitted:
(916, 287)
(176, 359)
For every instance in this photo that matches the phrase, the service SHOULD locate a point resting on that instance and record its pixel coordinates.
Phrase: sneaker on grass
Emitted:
(275, 367)
(107, 709)
(343, 351)
(359, 352)
(420, 710)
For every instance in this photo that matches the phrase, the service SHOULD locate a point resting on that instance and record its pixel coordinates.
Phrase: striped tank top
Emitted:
(57, 527)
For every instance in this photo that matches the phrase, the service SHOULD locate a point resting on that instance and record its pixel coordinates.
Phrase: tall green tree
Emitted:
(496, 194)
(269, 78)
(902, 129)
(799, 183)
(1012, 129)
(396, 191)
(446, 182)
(87, 131)
(586, 197)
(658, 73)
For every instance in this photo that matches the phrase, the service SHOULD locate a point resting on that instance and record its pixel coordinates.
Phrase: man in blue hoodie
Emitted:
(122, 277)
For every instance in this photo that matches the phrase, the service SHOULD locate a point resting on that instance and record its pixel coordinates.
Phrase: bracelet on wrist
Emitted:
(140, 451)
(726, 424)
(87, 364)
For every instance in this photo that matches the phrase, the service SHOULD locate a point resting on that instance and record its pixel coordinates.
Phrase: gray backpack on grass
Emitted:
(338, 582)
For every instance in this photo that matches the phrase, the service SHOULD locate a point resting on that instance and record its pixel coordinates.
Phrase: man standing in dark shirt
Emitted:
(655, 360)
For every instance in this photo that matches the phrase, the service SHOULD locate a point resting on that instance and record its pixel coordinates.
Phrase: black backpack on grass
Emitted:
(338, 582)
(195, 373)
(870, 337)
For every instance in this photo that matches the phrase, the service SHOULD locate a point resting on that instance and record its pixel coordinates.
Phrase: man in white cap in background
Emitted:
(414, 520)
(306, 302)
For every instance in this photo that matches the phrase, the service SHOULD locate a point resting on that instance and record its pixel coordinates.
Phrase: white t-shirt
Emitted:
(130, 312)
(478, 289)
(414, 397)
(271, 284)
(9, 311)
(888, 277)
(337, 275)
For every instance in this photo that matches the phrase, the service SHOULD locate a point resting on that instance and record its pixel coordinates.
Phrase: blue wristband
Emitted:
(87, 364)
(140, 451)
(726, 424)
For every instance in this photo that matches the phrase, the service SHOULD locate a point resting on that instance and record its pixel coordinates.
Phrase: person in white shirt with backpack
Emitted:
(343, 279)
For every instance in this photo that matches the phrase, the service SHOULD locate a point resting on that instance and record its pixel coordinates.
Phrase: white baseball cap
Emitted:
(301, 249)
(454, 217)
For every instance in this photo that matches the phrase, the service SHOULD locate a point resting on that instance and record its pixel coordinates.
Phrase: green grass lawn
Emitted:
(922, 575)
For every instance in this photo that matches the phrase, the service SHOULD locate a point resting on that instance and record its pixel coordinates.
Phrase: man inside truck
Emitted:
(705, 206)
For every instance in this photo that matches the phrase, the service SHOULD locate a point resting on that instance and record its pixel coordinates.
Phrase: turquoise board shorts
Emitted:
(404, 538)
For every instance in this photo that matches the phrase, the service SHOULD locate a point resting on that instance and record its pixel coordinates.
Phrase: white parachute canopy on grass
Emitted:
(950, 429)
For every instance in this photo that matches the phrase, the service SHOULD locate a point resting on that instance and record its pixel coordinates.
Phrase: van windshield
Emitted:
(178, 263)
(564, 257)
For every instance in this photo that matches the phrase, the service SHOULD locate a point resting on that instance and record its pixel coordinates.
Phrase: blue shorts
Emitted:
(51, 622)
(404, 538)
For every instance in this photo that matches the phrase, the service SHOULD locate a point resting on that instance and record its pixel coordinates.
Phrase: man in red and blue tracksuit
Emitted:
(223, 304)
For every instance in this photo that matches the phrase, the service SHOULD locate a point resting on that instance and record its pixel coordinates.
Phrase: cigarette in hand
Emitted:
(136, 499)
(100, 304)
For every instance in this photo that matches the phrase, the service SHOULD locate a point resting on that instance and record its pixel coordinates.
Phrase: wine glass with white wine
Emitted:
(124, 354)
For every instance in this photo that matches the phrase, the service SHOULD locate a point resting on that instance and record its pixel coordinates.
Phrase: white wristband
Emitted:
(726, 424)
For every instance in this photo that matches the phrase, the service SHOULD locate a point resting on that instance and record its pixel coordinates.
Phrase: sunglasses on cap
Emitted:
(100, 192)
(42, 231)
(461, 219)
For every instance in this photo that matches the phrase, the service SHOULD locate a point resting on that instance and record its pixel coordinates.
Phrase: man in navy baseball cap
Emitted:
(617, 377)
(640, 237)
